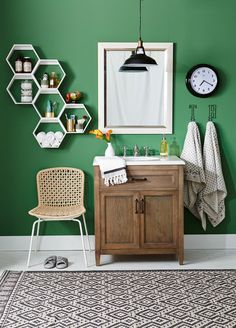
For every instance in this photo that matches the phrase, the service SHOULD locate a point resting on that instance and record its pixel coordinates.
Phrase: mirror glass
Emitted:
(135, 102)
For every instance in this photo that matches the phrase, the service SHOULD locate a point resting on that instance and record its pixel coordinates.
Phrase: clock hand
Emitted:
(208, 83)
(205, 82)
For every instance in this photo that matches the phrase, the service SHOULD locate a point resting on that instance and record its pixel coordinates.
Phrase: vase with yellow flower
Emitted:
(109, 152)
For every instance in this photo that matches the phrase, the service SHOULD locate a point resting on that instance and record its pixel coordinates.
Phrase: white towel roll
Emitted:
(45, 143)
(59, 135)
(40, 136)
(50, 137)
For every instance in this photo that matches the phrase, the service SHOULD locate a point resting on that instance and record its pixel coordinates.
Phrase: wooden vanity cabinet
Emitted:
(142, 216)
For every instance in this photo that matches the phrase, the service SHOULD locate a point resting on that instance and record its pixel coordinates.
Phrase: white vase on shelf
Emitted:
(109, 152)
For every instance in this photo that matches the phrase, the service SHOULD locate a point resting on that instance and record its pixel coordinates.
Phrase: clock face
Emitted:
(202, 80)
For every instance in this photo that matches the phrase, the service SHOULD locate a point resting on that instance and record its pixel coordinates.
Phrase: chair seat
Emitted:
(57, 212)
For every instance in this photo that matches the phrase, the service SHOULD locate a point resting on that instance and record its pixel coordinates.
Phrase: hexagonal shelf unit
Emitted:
(50, 131)
(14, 88)
(49, 66)
(49, 134)
(41, 102)
(79, 110)
(22, 50)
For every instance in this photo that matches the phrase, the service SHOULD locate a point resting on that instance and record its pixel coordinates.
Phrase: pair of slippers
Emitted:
(56, 261)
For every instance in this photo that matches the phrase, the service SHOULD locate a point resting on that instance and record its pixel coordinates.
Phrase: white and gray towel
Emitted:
(113, 170)
(194, 181)
(215, 191)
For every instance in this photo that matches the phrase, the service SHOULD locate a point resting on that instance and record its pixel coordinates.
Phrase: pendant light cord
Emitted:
(140, 19)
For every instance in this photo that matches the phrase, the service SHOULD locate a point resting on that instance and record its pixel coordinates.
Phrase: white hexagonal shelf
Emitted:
(22, 50)
(79, 110)
(41, 100)
(49, 134)
(14, 88)
(49, 66)
(50, 131)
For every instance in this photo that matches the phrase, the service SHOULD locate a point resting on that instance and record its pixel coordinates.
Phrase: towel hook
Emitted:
(212, 112)
(192, 107)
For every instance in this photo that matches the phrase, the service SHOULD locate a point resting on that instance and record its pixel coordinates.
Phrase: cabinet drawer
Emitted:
(147, 180)
(161, 180)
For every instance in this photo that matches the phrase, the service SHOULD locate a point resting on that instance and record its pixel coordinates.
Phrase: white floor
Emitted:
(194, 259)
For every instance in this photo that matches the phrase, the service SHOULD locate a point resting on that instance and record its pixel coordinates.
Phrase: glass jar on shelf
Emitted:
(19, 65)
(27, 65)
(53, 80)
(44, 82)
(26, 91)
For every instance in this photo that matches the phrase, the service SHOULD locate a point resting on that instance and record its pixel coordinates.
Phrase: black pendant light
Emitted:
(138, 61)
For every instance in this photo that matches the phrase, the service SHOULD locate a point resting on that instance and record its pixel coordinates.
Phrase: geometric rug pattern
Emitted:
(118, 299)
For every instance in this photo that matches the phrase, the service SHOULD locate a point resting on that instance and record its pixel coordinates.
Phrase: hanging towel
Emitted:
(215, 191)
(113, 170)
(194, 177)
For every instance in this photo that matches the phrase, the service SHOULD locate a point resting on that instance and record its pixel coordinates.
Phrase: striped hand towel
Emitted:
(113, 170)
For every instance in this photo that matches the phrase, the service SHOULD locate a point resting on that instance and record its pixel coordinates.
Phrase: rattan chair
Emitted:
(60, 198)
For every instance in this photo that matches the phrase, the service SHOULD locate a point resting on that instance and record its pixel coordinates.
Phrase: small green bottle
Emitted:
(164, 147)
(174, 148)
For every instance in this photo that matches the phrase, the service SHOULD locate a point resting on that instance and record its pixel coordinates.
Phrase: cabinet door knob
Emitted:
(136, 205)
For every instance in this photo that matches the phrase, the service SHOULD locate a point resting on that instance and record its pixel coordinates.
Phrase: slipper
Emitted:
(50, 262)
(62, 262)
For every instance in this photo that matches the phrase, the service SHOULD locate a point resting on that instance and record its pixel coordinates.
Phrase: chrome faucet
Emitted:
(124, 148)
(146, 150)
(136, 150)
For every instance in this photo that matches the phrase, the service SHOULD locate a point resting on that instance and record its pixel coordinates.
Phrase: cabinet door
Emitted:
(159, 216)
(119, 220)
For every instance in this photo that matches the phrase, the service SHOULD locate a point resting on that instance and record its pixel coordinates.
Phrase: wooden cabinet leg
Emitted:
(181, 261)
(97, 255)
(181, 257)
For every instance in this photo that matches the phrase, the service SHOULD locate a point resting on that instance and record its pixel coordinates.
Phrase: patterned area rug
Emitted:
(118, 299)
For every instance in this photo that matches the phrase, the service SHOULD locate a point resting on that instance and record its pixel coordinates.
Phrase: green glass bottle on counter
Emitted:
(164, 147)
(174, 148)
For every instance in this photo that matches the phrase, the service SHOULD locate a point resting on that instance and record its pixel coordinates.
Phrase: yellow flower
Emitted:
(97, 133)
(102, 136)
(108, 135)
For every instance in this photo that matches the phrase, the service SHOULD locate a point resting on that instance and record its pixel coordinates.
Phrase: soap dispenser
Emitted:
(164, 147)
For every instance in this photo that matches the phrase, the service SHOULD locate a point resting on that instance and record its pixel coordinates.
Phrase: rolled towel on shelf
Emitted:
(45, 143)
(55, 143)
(40, 137)
(59, 135)
(50, 137)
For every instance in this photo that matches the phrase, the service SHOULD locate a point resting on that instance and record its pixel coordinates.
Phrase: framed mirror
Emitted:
(135, 102)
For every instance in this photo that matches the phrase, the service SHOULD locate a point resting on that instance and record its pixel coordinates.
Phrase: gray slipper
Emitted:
(50, 262)
(62, 262)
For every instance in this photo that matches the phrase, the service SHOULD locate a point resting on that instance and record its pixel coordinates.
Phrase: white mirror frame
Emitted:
(168, 87)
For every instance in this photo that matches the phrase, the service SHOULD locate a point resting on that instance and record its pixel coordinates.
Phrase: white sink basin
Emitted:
(141, 158)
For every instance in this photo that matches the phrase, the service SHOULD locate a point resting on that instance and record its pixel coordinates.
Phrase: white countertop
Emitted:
(150, 160)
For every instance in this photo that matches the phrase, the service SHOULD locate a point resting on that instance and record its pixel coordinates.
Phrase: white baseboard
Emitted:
(210, 241)
(21, 243)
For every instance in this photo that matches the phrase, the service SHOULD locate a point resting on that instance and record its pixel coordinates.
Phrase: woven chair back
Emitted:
(60, 186)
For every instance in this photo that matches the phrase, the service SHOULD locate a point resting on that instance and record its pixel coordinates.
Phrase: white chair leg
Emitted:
(86, 231)
(82, 240)
(31, 241)
(37, 235)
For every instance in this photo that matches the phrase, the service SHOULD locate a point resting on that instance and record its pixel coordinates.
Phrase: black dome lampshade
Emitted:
(138, 61)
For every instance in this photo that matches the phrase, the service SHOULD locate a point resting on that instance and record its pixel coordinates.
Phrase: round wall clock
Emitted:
(202, 80)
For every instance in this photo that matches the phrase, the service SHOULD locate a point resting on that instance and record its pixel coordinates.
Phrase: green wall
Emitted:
(202, 31)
